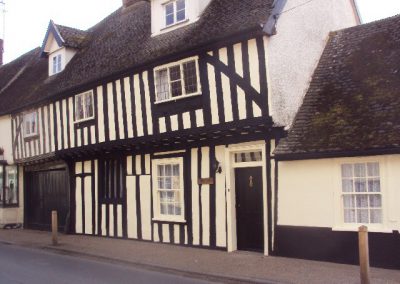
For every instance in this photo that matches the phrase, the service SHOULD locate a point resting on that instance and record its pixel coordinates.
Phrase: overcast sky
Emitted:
(27, 20)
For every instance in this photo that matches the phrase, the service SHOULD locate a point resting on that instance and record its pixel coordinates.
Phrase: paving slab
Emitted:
(239, 266)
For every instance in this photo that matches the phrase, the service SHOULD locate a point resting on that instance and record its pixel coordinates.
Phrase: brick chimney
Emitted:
(1, 51)
(127, 3)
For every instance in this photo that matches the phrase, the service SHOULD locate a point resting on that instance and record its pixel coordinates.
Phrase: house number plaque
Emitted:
(206, 181)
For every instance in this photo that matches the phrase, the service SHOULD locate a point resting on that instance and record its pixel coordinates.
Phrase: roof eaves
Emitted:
(270, 26)
(52, 28)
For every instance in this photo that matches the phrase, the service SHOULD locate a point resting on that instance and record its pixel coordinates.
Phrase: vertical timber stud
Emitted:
(54, 227)
(364, 254)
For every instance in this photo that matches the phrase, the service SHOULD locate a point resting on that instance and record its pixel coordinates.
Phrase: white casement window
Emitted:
(84, 106)
(361, 193)
(57, 64)
(168, 190)
(177, 80)
(31, 124)
(175, 12)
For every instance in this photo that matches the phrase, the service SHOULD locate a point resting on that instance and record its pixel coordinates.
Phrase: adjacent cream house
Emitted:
(339, 166)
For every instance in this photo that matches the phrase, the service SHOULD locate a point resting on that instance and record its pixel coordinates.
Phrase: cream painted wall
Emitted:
(6, 138)
(194, 8)
(294, 51)
(309, 192)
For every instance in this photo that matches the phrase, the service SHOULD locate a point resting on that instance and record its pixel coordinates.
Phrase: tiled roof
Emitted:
(72, 37)
(123, 41)
(353, 102)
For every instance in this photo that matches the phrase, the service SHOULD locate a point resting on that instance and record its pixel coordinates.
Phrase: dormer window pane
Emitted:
(180, 10)
(57, 64)
(169, 14)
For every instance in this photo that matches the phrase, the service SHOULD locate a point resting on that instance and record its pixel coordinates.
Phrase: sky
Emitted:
(27, 20)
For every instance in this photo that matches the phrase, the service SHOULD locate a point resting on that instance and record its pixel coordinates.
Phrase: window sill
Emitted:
(174, 25)
(31, 137)
(174, 99)
(375, 229)
(84, 120)
(169, 220)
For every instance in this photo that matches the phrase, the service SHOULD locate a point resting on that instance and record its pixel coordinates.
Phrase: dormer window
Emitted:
(30, 124)
(57, 64)
(175, 12)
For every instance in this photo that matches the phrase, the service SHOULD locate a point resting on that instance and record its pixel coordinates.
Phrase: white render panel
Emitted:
(220, 199)
(111, 220)
(128, 98)
(162, 125)
(78, 206)
(205, 195)
(88, 205)
(156, 237)
(119, 220)
(145, 205)
(174, 122)
(186, 120)
(65, 125)
(199, 118)
(103, 220)
(241, 103)
(100, 114)
(5, 137)
(138, 104)
(138, 163)
(176, 234)
(165, 233)
(52, 122)
(58, 123)
(119, 109)
(293, 53)
(223, 55)
(195, 198)
(213, 94)
(237, 51)
(71, 121)
(148, 104)
(254, 65)
(96, 190)
(111, 114)
(131, 206)
(226, 93)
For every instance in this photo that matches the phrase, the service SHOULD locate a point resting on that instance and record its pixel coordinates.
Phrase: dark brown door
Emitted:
(249, 209)
(46, 191)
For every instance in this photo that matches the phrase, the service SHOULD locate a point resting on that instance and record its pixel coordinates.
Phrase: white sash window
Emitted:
(84, 107)
(30, 124)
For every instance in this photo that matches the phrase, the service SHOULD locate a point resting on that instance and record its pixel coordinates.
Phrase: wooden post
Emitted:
(54, 227)
(364, 254)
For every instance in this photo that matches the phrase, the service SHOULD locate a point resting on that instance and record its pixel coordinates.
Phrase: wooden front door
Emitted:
(249, 208)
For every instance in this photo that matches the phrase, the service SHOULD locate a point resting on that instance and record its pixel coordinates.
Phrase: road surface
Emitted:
(24, 265)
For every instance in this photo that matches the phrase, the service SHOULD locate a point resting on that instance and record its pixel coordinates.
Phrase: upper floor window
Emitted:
(84, 106)
(30, 124)
(361, 193)
(57, 64)
(168, 186)
(177, 80)
(175, 12)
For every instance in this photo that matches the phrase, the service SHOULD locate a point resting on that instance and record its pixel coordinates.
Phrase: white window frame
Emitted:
(170, 65)
(84, 102)
(156, 196)
(339, 224)
(176, 22)
(57, 63)
(36, 132)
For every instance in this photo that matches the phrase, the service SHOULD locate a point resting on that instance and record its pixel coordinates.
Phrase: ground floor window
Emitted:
(8, 185)
(361, 193)
(168, 187)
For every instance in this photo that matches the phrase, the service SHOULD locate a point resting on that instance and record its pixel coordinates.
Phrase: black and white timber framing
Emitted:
(131, 129)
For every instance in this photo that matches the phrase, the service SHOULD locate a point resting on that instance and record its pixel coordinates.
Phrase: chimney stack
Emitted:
(1, 51)
(127, 3)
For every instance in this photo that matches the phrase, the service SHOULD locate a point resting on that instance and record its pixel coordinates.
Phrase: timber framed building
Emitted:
(163, 130)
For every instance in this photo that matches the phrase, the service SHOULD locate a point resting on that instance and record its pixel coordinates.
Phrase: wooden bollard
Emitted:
(54, 227)
(364, 254)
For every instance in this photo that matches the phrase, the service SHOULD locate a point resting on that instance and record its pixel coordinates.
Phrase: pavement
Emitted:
(211, 265)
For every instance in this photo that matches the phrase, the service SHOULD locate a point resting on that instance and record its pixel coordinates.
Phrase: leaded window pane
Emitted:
(349, 215)
(190, 76)
(359, 170)
(376, 216)
(347, 185)
(360, 185)
(373, 169)
(348, 201)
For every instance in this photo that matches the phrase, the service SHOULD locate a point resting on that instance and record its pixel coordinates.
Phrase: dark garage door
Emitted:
(46, 191)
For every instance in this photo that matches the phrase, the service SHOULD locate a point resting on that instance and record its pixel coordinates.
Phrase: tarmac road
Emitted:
(24, 265)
